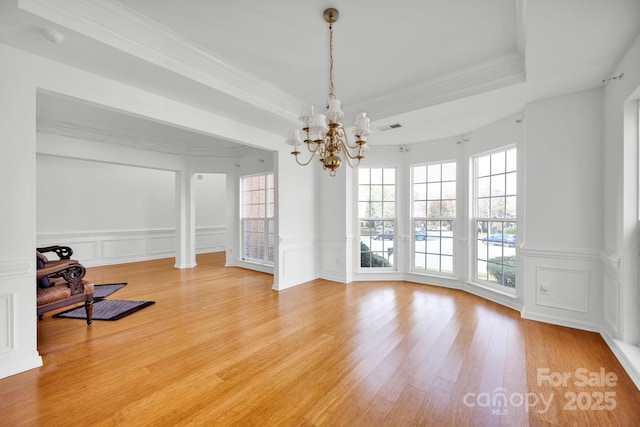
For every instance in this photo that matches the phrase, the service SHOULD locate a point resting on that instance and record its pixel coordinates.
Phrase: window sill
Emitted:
(510, 294)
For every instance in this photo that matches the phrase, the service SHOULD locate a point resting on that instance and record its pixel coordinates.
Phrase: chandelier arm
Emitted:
(346, 142)
(348, 158)
(313, 155)
(348, 154)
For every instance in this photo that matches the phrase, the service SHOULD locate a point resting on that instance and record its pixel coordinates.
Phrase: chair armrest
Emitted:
(63, 252)
(71, 272)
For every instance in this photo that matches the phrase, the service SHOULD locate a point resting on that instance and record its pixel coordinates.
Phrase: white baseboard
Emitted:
(560, 321)
(628, 355)
(21, 365)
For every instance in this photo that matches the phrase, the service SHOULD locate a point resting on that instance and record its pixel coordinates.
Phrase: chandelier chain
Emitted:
(331, 94)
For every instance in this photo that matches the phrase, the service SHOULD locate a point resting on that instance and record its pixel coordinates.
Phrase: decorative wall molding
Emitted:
(612, 259)
(563, 288)
(7, 328)
(16, 268)
(575, 254)
(502, 72)
(83, 132)
(296, 253)
(106, 247)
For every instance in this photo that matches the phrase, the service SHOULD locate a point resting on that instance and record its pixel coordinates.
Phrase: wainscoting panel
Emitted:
(297, 262)
(123, 248)
(100, 247)
(563, 288)
(18, 319)
(332, 260)
(162, 244)
(6, 320)
(210, 239)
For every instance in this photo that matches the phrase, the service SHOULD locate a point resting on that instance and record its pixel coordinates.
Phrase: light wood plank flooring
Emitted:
(220, 347)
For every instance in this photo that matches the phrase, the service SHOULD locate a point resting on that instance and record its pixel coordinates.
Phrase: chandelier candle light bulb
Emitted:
(323, 134)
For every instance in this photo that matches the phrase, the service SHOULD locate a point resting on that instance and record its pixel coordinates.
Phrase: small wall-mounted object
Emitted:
(52, 35)
(618, 77)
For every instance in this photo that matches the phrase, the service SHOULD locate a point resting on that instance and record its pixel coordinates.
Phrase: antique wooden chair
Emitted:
(60, 282)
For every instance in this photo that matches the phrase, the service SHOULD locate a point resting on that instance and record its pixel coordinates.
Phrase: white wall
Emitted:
(107, 196)
(564, 210)
(125, 213)
(210, 193)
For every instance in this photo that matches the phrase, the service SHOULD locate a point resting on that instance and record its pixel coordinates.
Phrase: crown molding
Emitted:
(502, 72)
(115, 25)
(74, 130)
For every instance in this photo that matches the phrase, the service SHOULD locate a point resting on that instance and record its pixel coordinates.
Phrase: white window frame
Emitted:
(268, 232)
(428, 232)
(476, 219)
(389, 246)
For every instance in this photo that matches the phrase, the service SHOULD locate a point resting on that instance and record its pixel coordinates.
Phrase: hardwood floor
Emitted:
(220, 347)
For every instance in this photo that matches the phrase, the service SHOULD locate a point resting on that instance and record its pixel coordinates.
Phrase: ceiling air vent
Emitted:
(389, 127)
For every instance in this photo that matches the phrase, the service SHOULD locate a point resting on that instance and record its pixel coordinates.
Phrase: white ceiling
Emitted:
(439, 68)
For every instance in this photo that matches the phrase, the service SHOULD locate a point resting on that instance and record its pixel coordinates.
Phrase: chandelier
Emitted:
(323, 133)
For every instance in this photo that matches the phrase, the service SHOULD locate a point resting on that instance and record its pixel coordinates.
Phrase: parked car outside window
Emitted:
(500, 239)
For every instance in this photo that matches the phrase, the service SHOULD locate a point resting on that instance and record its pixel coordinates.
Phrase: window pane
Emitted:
(419, 192)
(376, 210)
(449, 209)
(497, 185)
(446, 245)
(389, 210)
(498, 162)
(511, 207)
(364, 210)
(420, 209)
(446, 264)
(484, 187)
(511, 160)
(433, 191)
(497, 207)
(511, 187)
(419, 174)
(483, 165)
(434, 209)
(449, 172)
(363, 176)
(483, 208)
(389, 193)
(389, 176)
(449, 190)
(376, 176)
(433, 262)
(434, 173)
(376, 193)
